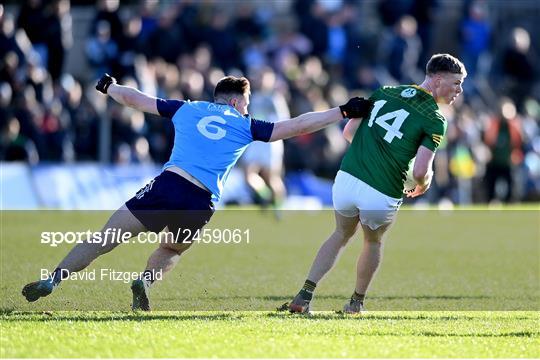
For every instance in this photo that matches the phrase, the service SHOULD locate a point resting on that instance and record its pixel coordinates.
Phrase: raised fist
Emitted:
(356, 108)
(104, 83)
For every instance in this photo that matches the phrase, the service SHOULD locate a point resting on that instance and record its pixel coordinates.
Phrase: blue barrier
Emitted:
(90, 186)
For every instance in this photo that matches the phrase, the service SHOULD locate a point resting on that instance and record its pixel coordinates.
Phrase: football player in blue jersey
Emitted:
(209, 138)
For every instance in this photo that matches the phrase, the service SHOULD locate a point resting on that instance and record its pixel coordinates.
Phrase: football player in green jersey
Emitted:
(405, 124)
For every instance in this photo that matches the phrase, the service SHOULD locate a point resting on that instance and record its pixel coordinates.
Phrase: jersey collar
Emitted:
(233, 109)
(422, 89)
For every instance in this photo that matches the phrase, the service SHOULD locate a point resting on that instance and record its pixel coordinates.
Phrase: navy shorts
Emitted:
(171, 200)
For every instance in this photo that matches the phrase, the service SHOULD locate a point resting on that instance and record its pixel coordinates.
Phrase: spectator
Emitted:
(531, 135)
(148, 16)
(390, 12)
(167, 32)
(102, 50)
(108, 12)
(475, 36)
(58, 36)
(84, 120)
(338, 39)
(518, 67)
(222, 40)
(11, 41)
(311, 16)
(28, 112)
(33, 21)
(365, 78)
(322, 47)
(15, 146)
(287, 46)
(424, 12)
(247, 26)
(6, 110)
(400, 50)
(189, 23)
(129, 47)
(54, 126)
(503, 136)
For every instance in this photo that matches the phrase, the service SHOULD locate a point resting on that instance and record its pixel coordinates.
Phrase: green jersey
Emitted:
(402, 119)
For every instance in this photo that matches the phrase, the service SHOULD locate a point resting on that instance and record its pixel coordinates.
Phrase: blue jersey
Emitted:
(209, 138)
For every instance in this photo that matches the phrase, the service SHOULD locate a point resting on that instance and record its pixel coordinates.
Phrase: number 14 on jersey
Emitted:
(392, 129)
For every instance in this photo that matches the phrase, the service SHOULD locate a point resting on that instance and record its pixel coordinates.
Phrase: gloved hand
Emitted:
(356, 107)
(104, 83)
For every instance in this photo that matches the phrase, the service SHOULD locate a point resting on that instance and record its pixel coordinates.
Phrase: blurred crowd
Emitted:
(316, 55)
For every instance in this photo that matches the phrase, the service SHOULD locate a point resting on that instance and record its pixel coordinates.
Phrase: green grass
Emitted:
(452, 284)
(266, 334)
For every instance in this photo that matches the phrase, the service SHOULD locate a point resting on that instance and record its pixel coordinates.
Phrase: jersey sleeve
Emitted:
(261, 130)
(167, 108)
(434, 132)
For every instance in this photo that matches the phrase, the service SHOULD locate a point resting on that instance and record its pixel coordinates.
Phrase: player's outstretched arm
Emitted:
(313, 121)
(350, 129)
(127, 95)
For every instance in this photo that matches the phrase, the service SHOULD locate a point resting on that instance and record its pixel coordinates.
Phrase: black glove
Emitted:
(356, 108)
(104, 83)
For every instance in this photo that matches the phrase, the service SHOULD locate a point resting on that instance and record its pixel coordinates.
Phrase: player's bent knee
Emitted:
(179, 248)
(345, 235)
(374, 236)
(373, 240)
(346, 232)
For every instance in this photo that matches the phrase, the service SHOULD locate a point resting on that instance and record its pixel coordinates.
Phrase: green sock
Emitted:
(358, 297)
(264, 193)
(307, 290)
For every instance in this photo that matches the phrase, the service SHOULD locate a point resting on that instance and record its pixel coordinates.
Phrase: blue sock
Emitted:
(58, 275)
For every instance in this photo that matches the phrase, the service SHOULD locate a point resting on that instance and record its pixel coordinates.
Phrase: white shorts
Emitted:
(268, 155)
(351, 196)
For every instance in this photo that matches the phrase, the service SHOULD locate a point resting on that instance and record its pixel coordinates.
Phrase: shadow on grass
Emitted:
(487, 335)
(47, 316)
(242, 303)
(334, 297)
(14, 316)
(9, 315)
(363, 331)
(370, 316)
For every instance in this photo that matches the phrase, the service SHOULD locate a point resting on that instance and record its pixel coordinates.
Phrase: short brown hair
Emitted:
(231, 85)
(445, 63)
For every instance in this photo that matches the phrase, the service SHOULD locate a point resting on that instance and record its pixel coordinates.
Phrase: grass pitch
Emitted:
(268, 335)
(452, 284)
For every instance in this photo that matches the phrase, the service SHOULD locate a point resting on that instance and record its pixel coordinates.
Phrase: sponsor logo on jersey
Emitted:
(437, 139)
(408, 93)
